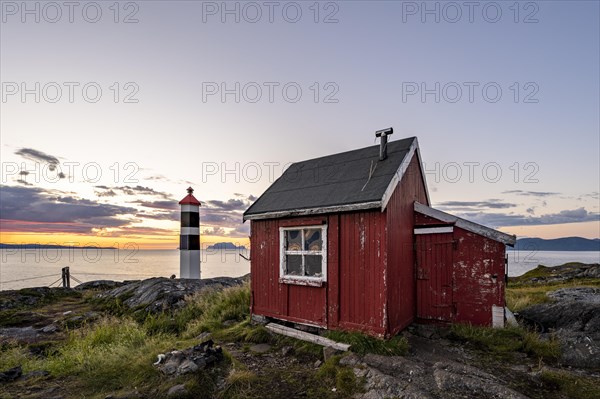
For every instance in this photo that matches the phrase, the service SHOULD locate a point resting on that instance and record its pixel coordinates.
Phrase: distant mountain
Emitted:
(44, 246)
(558, 244)
(225, 245)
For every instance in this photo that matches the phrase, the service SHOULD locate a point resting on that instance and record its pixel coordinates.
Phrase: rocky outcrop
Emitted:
(101, 285)
(557, 274)
(156, 295)
(176, 363)
(572, 315)
(397, 376)
(32, 297)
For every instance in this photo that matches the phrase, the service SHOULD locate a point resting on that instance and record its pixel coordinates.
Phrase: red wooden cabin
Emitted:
(348, 241)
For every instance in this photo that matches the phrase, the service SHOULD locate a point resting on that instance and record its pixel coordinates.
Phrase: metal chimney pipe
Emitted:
(382, 134)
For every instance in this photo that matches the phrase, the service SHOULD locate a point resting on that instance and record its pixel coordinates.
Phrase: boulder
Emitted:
(397, 376)
(176, 363)
(11, 374)
(573, 316)
(156, 295)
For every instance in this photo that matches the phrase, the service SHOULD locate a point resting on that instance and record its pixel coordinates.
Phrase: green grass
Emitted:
(571, 386)
(505, 341)
(522, 295)
(361, 343)
(210, 309)
(109, 355)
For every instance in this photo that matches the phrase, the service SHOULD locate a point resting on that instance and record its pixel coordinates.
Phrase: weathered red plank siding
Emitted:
(478, 277)
(267, 295)
(285, 301)
(401, 291)
(477, 268)
(362, 290)
(434, 276)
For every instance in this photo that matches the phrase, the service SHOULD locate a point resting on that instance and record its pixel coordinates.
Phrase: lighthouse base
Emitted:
(189, 264)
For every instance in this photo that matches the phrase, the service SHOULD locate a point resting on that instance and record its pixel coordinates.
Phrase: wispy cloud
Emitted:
(531, 193)
(33, 209)
(511, 219)
(38, 156)
(492, 203)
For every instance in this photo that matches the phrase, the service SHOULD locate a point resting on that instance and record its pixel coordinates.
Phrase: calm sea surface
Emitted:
(42, 267)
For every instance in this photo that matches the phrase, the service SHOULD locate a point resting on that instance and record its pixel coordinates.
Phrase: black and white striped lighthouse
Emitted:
(189, 239)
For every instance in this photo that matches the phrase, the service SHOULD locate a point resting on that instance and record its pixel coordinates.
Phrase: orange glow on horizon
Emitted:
(141, 242)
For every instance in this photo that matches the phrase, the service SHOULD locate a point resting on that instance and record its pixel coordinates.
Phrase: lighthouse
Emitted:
(189, 238)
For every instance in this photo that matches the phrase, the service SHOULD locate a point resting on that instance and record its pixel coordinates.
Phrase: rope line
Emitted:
(55, 282)
(26, 279)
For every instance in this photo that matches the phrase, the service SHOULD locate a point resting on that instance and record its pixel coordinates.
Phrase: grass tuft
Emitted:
(331, 374)
(361, 343)
(504, 341)
(571, 386)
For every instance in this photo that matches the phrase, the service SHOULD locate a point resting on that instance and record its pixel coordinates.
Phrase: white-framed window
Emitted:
(303, 255)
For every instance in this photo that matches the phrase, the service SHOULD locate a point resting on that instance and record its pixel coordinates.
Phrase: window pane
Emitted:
(293, 240)
(293, 264)
(312, 240)
(313, 265)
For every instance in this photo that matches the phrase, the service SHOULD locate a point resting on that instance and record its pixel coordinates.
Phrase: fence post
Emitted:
(66, 277)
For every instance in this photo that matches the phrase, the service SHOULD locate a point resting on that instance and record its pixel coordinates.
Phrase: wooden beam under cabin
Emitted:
(304, 336)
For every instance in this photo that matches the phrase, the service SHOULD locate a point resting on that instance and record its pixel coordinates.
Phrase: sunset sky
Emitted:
(109, 113)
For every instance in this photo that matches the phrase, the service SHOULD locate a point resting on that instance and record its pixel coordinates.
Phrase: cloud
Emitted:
(167, 205)
(510, 219)
(229, 205)
(173, 215)
(38, 156)
(109, 193)
(492, 203)
(214, 231)
(531, 193)
(34, 209)
(241, 231)
(141, 190)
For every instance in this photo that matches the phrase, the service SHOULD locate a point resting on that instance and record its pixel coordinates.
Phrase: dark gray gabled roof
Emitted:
(335, 182)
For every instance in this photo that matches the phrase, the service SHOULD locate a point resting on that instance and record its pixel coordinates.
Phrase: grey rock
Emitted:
(204, 336)
(31, 297)
(35, 374)
(260, 348)
(11, 374)
(22, 334)
(287, 350)
(190, 360)
(573, 317)
(156, 295)
(187, 366)
(49, 329)
(461, 379)
(397, 376)
(177, 390)
(99, 284)
(329, 352)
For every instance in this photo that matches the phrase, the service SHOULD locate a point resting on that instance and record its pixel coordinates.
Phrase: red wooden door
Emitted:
(434, 276)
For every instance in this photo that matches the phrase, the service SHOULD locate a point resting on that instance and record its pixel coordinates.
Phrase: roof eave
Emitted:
(389, 191)
(473, 227)
(314, 211)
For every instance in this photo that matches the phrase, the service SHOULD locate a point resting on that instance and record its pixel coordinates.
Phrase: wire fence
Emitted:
(65, 276)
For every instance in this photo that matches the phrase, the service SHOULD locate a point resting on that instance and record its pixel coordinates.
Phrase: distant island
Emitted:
(45, 246)
(558, 244)
(225, 245)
